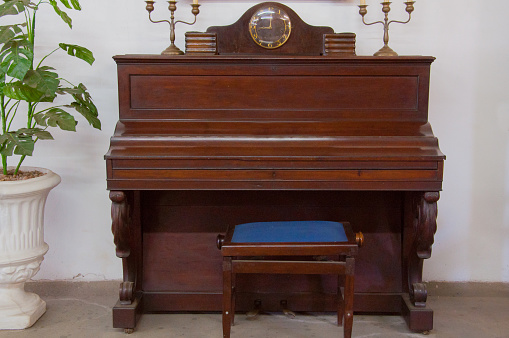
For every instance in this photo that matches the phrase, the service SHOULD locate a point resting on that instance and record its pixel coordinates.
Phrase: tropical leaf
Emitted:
(13, 7)
(19, 91)
(79, 52)
(56, 117)
(63, 15)
(6, 34)
(16, 142)
(37, 132)
(33, 6)
(83, 104)
(6, 147)
(16, 58)
(44, 80)
(9, 32)
(2, 82)
(76, 5)
(66, 3)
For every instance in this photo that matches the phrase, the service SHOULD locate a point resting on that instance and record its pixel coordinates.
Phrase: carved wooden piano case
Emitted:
(253, 134)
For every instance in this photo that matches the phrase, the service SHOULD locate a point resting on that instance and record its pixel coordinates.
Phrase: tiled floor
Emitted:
(84, 310)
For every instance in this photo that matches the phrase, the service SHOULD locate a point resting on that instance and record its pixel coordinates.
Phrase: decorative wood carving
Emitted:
(126, 292)
(120, 226)
(425, 226)
(418, 294)
(121, 221)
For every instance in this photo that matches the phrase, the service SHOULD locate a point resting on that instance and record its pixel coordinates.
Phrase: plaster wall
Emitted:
(469, 110)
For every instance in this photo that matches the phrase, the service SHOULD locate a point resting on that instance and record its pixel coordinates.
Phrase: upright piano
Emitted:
(238, 133)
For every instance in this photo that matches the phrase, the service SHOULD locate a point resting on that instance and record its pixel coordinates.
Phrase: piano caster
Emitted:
(253, 314)
(287, 312)
(128, 331)
(425, 333)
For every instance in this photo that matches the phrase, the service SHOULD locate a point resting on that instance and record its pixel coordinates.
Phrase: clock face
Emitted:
(270, 27)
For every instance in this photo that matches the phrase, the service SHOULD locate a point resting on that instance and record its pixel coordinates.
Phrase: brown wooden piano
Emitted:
(234, 132)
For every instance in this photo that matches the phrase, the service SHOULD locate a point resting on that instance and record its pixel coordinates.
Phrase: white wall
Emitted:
(469, 111)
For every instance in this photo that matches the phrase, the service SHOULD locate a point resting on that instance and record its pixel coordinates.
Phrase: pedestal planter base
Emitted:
(22, 247)
(19, 309)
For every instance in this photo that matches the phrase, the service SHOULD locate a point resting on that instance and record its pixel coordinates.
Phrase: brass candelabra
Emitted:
(172, 49)
(386, 8)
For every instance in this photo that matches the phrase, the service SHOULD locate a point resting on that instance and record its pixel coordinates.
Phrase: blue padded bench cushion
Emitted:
(288, 232)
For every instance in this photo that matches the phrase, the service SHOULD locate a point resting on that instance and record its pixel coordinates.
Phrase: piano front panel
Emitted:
(252, 94)
(284, 88)
(179, 230)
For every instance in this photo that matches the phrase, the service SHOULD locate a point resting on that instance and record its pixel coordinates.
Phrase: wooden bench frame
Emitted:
(250, 258)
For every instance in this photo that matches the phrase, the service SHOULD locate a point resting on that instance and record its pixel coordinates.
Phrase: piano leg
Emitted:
(424, 226)
(128, 308)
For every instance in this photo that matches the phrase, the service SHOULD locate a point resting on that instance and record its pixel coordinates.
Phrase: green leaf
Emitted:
(56, 117)
(2, 82)
(13, 7)
(6, 34)
(20, 91)
(6, 148)
(79, 52)
(9, 32)
(37, 132)
(43, 80)
(18, 143)
(33, 6)
(66, 3)
(84, 104)
(61, 13)
(16, 58)
(76, 5)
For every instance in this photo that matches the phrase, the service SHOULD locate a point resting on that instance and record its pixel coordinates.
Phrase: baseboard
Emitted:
(435, 289)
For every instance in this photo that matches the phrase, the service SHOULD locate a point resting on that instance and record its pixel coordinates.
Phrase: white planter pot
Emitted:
(22, 247)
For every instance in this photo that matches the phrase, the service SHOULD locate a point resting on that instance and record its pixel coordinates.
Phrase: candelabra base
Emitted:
(172, 50)
(386, 51)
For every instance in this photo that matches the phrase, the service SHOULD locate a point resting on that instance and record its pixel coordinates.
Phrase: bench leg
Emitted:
(233, 300)
(341, 300)
(349, 293)
(227, 296)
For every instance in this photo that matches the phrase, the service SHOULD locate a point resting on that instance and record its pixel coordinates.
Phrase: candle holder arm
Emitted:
(157, 21)
(363, 10)
(195, 11)
(372, 23)
(186, 23)
(396, 21)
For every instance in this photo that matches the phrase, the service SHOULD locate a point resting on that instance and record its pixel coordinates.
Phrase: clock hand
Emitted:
(270, 26)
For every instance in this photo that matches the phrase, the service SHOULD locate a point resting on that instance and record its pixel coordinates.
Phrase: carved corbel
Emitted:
(426, 224)
(425, 227)
(121, 221)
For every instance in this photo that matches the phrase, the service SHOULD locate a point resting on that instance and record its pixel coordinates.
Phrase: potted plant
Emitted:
(29, 89)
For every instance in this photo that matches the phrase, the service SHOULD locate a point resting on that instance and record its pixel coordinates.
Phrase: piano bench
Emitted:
(251, 248)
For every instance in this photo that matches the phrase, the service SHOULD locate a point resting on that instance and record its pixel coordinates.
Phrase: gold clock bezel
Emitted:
(253, 26)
